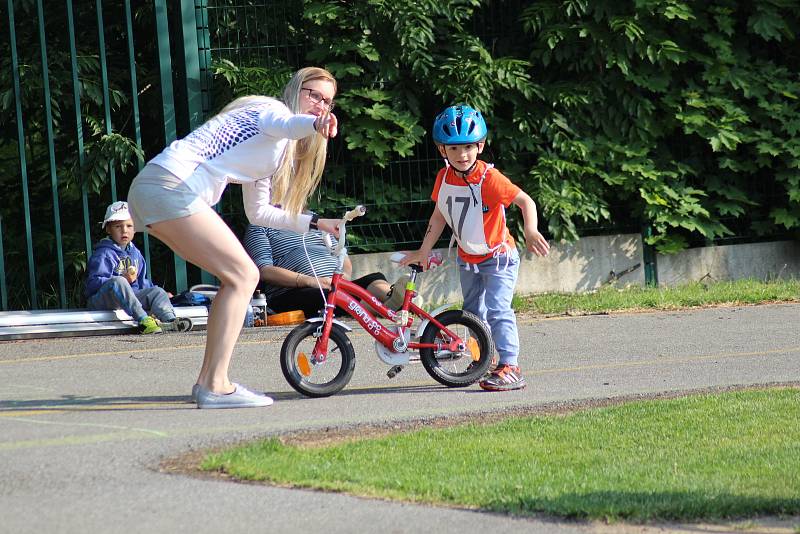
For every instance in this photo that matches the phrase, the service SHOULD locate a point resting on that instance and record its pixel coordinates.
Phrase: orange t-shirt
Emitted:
(497, 192)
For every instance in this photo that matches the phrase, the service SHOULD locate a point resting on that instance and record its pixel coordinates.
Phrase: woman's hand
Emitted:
(304, 280)
(324, 281)
(330, 225)
(327, 125)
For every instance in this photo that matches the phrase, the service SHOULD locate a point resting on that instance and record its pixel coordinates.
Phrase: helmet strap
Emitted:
(464, 174)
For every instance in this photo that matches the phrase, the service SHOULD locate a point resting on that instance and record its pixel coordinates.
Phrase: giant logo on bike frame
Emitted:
(369, 323)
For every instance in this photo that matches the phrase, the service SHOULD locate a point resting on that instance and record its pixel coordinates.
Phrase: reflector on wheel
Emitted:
(302, 364)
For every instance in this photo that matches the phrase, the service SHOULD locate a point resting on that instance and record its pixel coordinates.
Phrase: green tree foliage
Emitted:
(677, 115)
(683, 113)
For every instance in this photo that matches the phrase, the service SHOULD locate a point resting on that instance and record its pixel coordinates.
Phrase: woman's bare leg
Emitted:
(206, 241)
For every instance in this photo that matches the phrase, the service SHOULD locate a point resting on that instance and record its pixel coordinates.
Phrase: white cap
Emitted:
(118, 211)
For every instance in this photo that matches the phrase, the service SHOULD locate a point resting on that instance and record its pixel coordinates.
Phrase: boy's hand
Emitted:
(131, 273)
(415, 256)
(535, 242)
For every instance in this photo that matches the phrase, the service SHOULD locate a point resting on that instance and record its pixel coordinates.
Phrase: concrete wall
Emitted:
(580, 266)
(762, 261)
(594, 261)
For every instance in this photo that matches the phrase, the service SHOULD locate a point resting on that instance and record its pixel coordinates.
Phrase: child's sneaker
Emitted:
(396, 294)
(148, 325)
(167, 326)
(504, 378)
(473, 364)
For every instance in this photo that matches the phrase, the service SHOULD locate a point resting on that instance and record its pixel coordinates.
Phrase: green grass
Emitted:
(731, 455)
(609, 299)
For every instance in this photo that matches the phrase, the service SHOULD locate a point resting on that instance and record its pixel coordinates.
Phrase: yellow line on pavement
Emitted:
(117, 432)
(88, 407)
(98, 354)
(25, 413)
(90, 439)
(125, 352)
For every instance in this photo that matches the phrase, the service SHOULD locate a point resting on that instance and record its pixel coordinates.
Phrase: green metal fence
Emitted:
(92, 89)
(71, 94)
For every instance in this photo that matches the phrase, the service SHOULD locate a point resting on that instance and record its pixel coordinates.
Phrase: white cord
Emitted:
(316, 278)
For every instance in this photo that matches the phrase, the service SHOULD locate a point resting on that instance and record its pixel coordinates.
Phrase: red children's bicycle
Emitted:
(318, 360)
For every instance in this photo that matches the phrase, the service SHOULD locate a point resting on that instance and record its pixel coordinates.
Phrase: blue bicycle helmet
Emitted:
(459, 125)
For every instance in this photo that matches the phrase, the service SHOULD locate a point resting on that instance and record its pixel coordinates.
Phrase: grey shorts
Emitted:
(157, 195)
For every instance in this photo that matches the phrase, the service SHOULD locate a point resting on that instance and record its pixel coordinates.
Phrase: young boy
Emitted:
(471, 197)
(115, 276)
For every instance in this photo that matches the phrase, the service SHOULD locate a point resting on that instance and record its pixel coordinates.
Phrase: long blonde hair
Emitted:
(300, 172)
(243, 102)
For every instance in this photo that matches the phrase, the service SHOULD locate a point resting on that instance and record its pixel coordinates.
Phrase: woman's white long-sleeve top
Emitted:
(243, 146)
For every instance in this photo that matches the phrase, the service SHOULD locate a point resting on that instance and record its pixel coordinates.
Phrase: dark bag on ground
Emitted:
(190, 298)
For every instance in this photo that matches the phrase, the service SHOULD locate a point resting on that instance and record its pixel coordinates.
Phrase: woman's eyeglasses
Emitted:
(317, 98)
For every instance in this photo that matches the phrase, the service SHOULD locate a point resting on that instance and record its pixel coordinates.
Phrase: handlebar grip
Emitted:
(358, 211)
(326, 238)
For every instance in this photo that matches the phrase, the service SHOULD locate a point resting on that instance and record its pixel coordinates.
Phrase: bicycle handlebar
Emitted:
(358, 211)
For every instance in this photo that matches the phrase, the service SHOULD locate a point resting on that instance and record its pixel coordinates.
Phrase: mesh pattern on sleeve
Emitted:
(234, 128)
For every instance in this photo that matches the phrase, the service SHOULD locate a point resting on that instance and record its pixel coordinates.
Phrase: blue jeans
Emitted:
(117, 293)
(488, 293)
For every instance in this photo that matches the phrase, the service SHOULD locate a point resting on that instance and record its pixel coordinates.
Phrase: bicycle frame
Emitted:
(342, 294)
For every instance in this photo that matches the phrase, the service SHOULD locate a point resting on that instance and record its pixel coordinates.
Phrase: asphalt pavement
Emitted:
(86, 423)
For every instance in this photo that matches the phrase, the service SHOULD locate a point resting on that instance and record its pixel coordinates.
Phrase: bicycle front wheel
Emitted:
(458, 369)
(310, 377)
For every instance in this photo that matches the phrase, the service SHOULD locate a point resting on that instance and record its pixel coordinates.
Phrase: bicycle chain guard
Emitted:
(390, 357)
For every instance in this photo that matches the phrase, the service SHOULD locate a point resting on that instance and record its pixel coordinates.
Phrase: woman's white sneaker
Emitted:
(241, 397)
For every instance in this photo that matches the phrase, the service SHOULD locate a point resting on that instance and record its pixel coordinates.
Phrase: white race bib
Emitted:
(462, 208)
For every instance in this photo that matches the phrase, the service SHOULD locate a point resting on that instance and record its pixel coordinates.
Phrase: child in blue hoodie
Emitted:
(116, 275)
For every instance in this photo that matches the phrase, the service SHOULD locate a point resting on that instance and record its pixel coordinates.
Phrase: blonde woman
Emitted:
(276, 150)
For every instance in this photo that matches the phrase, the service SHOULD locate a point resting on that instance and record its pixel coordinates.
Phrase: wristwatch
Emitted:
(312, 224)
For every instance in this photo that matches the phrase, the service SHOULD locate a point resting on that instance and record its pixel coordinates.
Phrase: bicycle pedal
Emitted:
(391, 373)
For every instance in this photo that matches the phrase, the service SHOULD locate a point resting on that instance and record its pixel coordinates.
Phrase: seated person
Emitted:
(116, 276)
(287, 277)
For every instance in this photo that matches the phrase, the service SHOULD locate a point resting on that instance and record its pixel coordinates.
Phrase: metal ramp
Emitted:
(78, 322)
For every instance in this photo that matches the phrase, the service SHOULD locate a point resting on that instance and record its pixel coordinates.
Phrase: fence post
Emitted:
(76, 96)
(3, 290)
(137, 129)
(23, 164)
(62, 291)
(168, 104)
(649, 258)
(192, 78)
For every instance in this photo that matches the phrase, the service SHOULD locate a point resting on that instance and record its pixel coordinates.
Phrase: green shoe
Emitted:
(148, 325)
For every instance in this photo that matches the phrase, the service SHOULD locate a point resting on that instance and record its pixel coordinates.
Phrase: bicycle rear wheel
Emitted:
(458, 369)
(317, 379)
